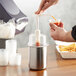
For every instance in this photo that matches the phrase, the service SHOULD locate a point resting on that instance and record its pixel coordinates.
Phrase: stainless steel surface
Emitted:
(37, 57)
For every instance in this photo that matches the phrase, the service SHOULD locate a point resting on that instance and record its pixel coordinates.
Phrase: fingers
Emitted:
(40, 7)
(47, 5)
(52, 30)
(44, 5)
(61, 24)
(53, 26)
(52, 33)
(37, 12)
(56, 1)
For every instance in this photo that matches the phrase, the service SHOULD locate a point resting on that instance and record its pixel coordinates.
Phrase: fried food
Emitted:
(70, 48)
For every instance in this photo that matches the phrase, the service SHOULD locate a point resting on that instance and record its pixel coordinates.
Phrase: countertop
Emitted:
(56, 66)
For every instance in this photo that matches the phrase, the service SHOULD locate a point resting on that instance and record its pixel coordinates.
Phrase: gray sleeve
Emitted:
(9, 10)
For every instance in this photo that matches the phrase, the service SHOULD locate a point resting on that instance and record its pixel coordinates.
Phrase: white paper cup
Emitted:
(18, 59)
(12, 59)
(11, 47)
(3, 57)
(15, 60)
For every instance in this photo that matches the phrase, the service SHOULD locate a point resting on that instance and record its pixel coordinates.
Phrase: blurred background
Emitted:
(64, 10)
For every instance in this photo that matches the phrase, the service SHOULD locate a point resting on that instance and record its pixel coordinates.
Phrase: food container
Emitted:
(66, 54)
(37, 54)
(32, 40)
(63, 43)
(37, 57)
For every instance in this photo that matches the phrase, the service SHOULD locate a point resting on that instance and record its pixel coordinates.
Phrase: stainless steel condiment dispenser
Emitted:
(37, 54)
(37, 57)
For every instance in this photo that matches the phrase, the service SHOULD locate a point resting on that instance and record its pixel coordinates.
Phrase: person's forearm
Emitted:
(68, 37)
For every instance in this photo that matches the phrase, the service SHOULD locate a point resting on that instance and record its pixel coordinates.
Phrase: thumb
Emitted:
(53, 26)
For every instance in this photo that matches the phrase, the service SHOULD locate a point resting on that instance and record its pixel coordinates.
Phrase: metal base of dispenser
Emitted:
(37, 57)
(37, 69)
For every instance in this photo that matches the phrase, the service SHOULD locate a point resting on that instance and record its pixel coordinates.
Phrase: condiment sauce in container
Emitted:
(37, 43)
(59, 24)
(37, 50)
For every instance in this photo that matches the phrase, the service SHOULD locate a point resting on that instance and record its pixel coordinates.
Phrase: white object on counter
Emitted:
(32, 39)
(15, 60)
(63, 43)
(18, 59)
(3, 57)
(66, 54)
(11, 47)
(43, 39)
(7, 30)
(21, 25)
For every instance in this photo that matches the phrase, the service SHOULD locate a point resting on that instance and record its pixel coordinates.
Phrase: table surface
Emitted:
(56, 66)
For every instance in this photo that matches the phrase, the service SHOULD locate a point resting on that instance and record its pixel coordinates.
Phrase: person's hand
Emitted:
(58, 33)
(45, 4)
